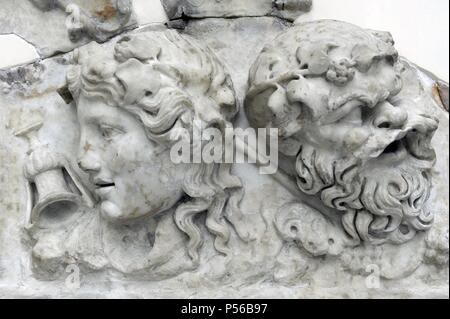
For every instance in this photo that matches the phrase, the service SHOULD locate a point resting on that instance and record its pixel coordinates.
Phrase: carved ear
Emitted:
(302, 91)
(278, 104)
(285, 117)
(271, 104)
(258, 114)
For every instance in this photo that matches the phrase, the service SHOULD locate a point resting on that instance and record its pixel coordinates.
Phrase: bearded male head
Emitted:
(356, 133)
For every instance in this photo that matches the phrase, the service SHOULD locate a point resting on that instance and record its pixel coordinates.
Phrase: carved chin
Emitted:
(111, 211)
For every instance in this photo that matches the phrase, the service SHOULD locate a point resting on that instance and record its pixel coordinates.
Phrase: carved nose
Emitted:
(88, 163)
(390, 117)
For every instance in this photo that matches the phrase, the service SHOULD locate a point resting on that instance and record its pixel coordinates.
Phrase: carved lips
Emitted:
(103, 186)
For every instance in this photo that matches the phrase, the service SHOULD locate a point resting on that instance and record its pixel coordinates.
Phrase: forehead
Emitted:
(368, 88)
(96, 110)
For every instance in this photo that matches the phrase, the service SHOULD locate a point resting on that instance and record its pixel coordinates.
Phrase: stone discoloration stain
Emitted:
(108, 12)
(436, 94)
(87, 147)
(35, 93)
(439, 91)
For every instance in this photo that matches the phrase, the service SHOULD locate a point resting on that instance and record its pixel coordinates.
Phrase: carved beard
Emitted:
(379, 203)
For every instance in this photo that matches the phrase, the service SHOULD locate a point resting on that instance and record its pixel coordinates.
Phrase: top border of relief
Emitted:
(285, 9)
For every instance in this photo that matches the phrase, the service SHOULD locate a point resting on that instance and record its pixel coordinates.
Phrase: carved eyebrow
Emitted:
(107, 120)
(106, 124)
(340, 112)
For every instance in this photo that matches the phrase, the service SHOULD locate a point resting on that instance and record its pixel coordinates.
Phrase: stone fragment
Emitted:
(55, 26)
(286, 9)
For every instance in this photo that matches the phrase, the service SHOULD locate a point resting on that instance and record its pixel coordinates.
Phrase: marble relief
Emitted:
(357, 207)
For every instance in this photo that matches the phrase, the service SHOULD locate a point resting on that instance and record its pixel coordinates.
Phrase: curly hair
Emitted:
(168, 81)
(380, 206)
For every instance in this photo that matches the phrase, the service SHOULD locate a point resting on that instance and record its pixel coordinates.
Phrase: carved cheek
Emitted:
(114, 156)
(332, 135)
(130, 152)
(355, 138)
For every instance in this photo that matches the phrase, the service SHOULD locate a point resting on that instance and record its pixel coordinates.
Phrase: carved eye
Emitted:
(109, 132)
(354, 117)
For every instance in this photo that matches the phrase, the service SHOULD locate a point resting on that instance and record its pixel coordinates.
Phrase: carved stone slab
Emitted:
(287, 9)
(92, 206)
(54, 26)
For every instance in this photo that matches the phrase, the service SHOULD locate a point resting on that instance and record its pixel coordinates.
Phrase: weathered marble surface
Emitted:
(216, 32)
(286, 9)
(55, 26)
(113, 259)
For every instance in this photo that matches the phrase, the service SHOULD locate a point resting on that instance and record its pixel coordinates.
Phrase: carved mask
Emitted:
(355, 133)
(130, 103)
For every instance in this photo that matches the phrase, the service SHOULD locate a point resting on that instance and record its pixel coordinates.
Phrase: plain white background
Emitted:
(420, 27)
